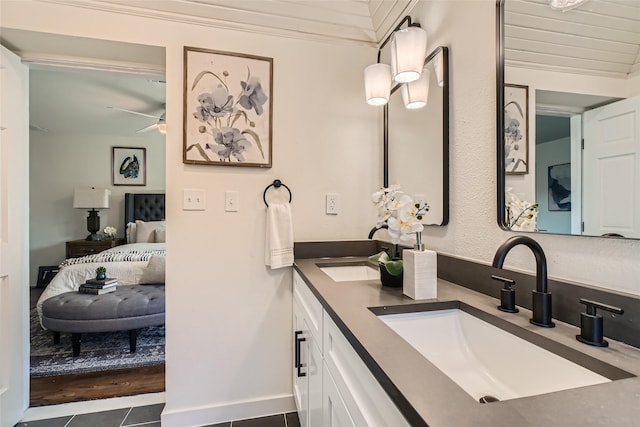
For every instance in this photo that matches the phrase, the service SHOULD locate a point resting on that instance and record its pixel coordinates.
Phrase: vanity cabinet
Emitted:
(307, 366)
(332, 385)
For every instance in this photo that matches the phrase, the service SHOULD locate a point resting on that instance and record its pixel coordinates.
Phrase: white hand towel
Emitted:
(279, 239)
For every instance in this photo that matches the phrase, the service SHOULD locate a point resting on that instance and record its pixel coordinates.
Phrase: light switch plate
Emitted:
(194, 200)
(231, 201)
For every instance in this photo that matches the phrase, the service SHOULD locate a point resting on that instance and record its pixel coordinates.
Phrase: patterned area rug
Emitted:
(98, 351)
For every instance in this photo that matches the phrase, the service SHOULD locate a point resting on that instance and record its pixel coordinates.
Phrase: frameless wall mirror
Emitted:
(416, 141)
(568, 147)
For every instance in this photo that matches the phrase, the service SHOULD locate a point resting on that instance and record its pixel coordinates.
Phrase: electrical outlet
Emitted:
(231, 201)
(332, 204)
(193, 200)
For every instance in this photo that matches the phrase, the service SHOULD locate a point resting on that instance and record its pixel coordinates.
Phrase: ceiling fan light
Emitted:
(377, 83)
(408, 49)
(565, 5)
(162, 123)
(416, 94)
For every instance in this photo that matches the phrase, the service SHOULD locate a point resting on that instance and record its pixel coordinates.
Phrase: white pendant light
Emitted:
(408, 49)
(415, 94)
(377, 83)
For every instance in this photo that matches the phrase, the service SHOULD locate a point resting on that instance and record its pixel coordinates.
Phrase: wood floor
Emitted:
(94, 385)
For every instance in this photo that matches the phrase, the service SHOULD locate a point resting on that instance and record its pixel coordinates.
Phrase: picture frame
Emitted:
(516, 129)
(129, 166)
(228, 108)
(559, 185)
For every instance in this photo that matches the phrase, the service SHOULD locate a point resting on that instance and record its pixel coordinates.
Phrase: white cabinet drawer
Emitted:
(311, 306)
(366, 401)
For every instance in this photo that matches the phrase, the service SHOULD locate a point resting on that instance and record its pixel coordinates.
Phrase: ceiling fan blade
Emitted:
(36, 127)
(147, 128)
(134, 112)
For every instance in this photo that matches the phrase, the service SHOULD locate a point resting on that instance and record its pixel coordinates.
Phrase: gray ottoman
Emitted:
(128, 308)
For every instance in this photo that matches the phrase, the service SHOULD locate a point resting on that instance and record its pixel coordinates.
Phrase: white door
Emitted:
(14, 238)
(611, 177)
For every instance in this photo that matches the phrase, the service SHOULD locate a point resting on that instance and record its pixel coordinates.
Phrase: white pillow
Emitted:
(131, 232)
(154, 271)
(145, 230)
(161, 233)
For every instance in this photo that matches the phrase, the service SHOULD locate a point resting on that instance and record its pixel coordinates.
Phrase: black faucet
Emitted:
(376, 228)
(541, 298)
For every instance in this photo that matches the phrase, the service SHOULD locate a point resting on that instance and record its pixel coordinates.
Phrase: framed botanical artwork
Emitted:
(559, 184)
(516, 129)
(228, 108)
(129, 166)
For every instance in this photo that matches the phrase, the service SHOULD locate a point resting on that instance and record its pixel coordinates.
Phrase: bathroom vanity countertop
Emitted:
(428, 395)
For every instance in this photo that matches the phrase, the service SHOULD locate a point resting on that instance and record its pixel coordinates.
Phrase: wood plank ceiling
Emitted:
(600, 37)
(361, 21)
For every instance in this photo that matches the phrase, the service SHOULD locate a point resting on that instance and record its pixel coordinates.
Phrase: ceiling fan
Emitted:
(161, 123)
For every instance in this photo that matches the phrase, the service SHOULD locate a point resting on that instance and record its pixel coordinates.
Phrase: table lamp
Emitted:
(92, 199)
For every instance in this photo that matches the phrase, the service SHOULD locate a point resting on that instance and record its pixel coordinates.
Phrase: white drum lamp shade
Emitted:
(416, 94)
(408, 50)
(377, 83)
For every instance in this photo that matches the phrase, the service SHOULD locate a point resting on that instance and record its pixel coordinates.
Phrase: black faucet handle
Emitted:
(508, 283)
(593, 305)
(592, 324)
(507, 295)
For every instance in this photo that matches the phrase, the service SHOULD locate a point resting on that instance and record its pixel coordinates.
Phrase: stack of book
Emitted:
(98, 287)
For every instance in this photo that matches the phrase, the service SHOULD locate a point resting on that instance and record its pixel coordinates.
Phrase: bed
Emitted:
(140, 260)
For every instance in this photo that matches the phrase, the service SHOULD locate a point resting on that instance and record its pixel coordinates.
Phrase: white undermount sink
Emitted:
(349, 273)
(487, 361)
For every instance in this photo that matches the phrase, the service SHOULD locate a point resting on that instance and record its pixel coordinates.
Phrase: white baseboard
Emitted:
(199, 416)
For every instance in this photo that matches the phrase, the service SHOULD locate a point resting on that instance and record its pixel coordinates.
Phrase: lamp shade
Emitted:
(416, 94)
(408, 50)
(91, 198)
(377, 83)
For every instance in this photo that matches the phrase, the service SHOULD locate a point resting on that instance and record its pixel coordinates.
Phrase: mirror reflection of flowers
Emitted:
(228, 118)
(521, 215)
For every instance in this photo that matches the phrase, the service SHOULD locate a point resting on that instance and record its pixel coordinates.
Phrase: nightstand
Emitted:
(78, 248)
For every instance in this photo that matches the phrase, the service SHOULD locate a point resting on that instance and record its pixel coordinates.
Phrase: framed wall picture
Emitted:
(129, 166)
(559, 184)
(228, 108)
(516, 129)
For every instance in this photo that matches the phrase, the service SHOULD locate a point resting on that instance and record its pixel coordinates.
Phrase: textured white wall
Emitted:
(60, 162)
(468, 27)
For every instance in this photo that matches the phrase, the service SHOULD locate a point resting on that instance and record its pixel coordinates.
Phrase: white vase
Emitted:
(420, 270)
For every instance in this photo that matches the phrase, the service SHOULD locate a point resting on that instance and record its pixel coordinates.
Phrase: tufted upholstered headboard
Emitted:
(143, 206)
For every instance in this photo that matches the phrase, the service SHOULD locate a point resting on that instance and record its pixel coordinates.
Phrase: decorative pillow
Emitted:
(131, 232)
(154, 271)
(161, 234)
(145, 230)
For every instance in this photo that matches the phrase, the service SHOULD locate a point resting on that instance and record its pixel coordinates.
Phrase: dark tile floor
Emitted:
(149, 416)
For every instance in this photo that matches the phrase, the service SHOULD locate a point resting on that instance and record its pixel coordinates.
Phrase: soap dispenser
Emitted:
(591, 323)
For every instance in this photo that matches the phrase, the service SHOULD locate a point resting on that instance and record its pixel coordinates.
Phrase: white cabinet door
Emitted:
(300, 356)
(314, 377)
(334, 409)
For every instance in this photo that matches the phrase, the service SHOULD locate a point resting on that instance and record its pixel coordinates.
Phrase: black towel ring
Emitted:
(276, 184)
